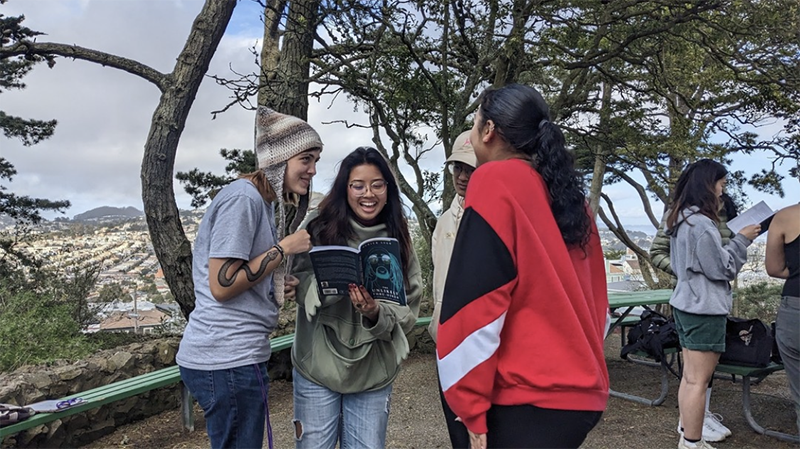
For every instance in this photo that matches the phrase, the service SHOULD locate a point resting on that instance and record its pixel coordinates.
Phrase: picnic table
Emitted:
(628, 301)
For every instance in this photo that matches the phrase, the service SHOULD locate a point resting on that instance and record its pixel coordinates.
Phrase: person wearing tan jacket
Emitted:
(461, 164)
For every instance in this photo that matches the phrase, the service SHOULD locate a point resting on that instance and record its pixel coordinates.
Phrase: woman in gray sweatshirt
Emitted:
(702, 296)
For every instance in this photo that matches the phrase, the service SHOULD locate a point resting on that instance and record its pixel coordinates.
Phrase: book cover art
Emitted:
(375, 264)
(383, 270)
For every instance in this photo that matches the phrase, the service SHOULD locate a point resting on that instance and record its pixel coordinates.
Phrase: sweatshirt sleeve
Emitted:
(477, 295)
(717, 262)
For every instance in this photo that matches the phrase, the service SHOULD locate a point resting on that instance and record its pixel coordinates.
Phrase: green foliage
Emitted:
(30, 132)
(73, 288)
(758, 301)
(42, 314)
(35, 328)
(614, 254)
(149, 286)
(110, 340)
(111, 292)
(24, 210)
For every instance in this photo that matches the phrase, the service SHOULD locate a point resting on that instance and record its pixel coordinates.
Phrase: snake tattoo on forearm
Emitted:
(251, 276)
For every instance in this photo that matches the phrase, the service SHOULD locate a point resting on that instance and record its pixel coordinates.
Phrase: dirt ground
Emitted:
(416, 417)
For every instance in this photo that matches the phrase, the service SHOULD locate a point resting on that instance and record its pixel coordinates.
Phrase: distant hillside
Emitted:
(108, 212)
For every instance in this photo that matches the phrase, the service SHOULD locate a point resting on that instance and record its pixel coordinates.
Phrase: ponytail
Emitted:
(567, 199)
(522, 118)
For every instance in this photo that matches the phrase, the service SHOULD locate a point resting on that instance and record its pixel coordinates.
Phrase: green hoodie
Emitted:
(333, 345)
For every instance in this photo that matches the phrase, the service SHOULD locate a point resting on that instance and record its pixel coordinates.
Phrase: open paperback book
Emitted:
(375, 264)
(758, 214)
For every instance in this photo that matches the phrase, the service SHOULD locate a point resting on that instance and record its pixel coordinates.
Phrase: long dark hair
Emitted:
(522, 118)
(332, 225)
(696, 186)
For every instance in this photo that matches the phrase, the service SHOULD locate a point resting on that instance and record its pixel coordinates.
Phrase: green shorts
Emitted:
(700, 332)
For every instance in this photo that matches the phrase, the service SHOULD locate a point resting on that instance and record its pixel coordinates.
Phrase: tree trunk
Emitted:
(286, 89)
(171, 246)
(599, 171)
(270, 47)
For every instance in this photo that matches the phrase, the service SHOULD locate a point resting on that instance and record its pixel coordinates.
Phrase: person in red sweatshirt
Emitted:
(520, 346)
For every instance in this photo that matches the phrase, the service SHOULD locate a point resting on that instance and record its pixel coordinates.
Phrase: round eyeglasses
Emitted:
(376, 187)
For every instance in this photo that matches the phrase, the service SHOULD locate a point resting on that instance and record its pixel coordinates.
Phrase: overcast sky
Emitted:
(104, 114)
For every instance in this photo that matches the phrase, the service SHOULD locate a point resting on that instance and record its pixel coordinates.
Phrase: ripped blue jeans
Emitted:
(322, 417)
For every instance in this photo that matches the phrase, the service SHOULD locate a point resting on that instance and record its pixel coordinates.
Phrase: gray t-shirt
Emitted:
(234, 333)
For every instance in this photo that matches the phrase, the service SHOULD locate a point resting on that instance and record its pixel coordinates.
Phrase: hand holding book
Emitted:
(375, 265)
(364, 303)
(751, 231)
(760, 214)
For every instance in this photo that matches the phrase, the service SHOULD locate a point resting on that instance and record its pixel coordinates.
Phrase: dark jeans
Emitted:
(459, 437)
(233, 404)
(527, 426)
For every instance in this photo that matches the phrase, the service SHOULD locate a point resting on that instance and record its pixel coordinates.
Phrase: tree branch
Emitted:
(28, 48)
(639, 190)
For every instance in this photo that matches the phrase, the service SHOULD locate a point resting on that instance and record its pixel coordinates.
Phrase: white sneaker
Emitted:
(702, 444)
(714, 420)
(709, 433)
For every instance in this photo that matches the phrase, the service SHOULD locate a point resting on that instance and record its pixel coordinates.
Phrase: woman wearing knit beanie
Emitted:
(238, 274)
(348, 349)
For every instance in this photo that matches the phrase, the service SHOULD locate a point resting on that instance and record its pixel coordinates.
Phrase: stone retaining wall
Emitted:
(31, 384)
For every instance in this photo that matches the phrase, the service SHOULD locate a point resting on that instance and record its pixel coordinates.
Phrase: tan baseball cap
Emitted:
(463, 151)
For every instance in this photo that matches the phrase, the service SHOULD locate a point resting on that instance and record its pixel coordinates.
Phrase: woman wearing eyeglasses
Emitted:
(347, 349)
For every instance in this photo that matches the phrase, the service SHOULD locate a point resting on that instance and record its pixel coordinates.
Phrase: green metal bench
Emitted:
(749, 375)
(133, 386)
(643, 358)
(100, 396)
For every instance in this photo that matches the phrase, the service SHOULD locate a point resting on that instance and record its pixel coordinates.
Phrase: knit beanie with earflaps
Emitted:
(279, 137)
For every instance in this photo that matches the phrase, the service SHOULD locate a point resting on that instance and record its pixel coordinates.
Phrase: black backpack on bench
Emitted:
(652, 335)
